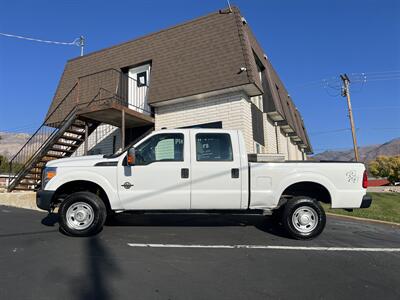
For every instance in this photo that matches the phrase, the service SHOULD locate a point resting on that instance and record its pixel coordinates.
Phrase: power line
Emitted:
(328, 131)
(376, 107)
(74, 42)
(334, 82)
(80, 42)
(357, 129)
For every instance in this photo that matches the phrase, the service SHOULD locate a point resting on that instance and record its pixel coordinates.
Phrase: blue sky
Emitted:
(307, 41)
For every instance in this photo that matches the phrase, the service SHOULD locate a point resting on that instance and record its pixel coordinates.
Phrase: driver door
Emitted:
(159, 178)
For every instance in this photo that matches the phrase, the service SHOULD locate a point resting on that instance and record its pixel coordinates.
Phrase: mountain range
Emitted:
(367, 153)
(10, 143)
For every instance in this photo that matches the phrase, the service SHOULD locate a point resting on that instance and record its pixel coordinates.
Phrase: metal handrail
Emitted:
(48, 131)
(44, 123)
(117, 98)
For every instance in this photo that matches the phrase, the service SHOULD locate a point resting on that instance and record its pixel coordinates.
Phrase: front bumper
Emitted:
(366, 201)
(44, 199)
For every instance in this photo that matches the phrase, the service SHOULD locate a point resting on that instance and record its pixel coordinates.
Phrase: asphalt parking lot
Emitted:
(38, 262)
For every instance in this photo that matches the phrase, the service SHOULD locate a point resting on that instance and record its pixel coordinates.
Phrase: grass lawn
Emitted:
(385, 207)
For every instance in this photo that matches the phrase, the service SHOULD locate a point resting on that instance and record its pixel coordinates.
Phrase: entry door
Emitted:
(215, 171)
(138, 84)
(158, 180)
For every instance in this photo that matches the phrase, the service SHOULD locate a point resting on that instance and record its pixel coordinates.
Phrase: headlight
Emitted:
(48, 173)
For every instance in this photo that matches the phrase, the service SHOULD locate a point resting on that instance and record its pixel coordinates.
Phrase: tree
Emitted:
(387, 167)
(3, 164)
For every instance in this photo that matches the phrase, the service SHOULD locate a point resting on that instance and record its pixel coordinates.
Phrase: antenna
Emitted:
(81, 43)
(229, 4)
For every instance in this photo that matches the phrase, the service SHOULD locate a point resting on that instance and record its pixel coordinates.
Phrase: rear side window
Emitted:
(213, 147)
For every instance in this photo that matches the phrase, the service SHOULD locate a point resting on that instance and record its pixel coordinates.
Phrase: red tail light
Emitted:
(365, 180)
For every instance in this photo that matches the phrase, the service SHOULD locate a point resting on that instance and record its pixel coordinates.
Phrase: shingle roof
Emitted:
(195, 57)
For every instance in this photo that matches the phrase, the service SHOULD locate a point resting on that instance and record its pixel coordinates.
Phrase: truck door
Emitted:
(215, 171)
(160, 177)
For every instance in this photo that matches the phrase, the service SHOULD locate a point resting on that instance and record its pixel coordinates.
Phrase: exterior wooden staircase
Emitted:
(61, 145)
(71, 122)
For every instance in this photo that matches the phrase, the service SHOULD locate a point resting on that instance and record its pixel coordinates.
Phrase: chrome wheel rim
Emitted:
(305, 219)
(80, 216)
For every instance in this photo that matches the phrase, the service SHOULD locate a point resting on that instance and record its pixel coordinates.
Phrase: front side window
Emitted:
(213, 147)
(160, 147)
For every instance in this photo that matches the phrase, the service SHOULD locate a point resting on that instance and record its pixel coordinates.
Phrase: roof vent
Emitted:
(243, 21)
(225, 11)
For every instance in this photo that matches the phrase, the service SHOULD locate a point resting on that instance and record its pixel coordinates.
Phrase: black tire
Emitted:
(92, 207)
(311, 211)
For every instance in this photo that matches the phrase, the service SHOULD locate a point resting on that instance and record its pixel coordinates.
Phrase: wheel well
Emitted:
(308, 188)
(79, 186)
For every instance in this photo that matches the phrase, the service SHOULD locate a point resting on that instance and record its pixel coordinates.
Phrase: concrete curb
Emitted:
(364, 219)
(25, 200)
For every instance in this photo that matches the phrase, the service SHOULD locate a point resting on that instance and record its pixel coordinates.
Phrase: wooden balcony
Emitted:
(114, 112)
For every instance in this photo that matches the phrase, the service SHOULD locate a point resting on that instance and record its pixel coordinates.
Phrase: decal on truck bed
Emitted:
(351, 176)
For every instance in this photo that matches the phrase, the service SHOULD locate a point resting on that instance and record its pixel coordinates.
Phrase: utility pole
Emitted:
(81, 43)
(346, 93)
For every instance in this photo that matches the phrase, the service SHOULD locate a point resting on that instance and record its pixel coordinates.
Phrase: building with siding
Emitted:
(208, 72)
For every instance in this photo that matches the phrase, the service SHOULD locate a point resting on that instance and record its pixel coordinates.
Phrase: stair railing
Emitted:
(52, 124)
(97, 87)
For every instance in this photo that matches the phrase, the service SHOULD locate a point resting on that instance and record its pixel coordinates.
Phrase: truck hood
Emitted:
(81, 161)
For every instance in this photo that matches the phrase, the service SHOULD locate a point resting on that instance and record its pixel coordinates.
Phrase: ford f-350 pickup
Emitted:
(198, 170)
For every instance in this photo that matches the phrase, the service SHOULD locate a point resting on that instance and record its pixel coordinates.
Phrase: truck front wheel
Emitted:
(303, 218)
(82, 214)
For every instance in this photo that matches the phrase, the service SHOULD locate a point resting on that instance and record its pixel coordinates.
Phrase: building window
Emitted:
(160, 147)
(257, 121)
(258, 147)
(206, 125)
(141, 79)
(259, 100)
(213, 147)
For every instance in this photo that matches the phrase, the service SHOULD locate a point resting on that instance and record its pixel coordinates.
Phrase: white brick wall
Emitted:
(282, 142)
(269, 136)
(233, 110)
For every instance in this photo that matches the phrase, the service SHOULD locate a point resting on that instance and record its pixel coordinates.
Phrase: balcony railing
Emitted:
(117, 85)
(109, 86)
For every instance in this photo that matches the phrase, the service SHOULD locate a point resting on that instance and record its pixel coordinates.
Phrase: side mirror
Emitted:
(131, 159)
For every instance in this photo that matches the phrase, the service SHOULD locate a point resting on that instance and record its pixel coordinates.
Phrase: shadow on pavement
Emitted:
(50, 219)
(98, 270)
(265, 224)
(27, 233)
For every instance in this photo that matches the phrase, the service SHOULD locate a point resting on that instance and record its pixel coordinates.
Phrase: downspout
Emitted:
(288, 146)
(276, 137)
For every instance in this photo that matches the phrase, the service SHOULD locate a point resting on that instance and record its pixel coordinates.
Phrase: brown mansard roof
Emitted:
(199, 56)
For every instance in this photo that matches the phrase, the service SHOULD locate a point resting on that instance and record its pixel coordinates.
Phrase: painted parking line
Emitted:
(301, 248)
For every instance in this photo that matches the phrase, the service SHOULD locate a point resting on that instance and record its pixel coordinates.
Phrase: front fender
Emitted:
(90, 176)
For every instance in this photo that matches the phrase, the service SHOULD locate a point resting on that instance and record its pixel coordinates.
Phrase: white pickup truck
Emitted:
(198, 170)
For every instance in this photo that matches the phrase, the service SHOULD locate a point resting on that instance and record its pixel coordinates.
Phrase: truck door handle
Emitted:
(235, 173)
(184, 173)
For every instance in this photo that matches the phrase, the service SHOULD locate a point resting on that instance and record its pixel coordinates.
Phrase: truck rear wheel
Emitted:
(82, 214)
(303, 218)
